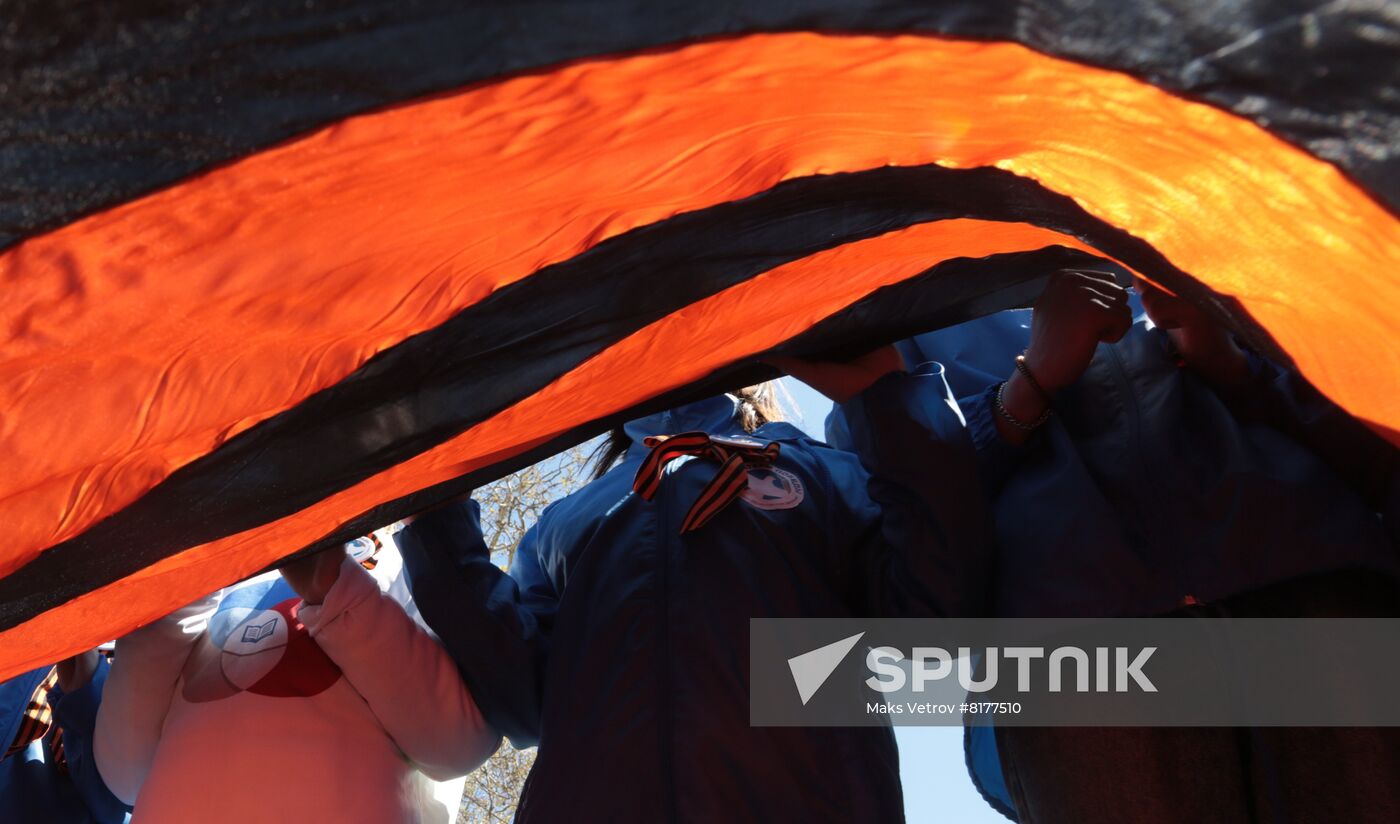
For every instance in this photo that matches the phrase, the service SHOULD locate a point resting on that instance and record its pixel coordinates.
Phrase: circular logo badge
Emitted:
(773, 488)
(257, 649)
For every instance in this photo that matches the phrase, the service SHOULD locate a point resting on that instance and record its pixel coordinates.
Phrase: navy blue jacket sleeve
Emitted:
(495, 626)
(1283, 399)
(996, 459)
(76, 714)
(923, 527)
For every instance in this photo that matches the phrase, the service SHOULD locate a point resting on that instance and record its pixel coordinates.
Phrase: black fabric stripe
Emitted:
(103, 102)
(493, 354)
(944, 295)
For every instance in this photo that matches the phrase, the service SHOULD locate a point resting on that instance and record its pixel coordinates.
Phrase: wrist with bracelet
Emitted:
(1000, 403)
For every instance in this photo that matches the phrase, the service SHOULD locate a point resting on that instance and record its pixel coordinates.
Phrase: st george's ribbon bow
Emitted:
(735, 456)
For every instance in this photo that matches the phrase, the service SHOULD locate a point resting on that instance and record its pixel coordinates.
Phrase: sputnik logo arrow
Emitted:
(811, 669)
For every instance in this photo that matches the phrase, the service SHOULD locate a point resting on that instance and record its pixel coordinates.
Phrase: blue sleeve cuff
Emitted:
(996, 459)
(449, 535)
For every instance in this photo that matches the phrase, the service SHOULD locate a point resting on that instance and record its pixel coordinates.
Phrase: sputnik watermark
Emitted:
(1060, 672)
(979, 673)
(811, 669)
(1112, 670)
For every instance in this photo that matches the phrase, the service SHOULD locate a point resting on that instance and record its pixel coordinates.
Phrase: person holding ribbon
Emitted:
(619, 640)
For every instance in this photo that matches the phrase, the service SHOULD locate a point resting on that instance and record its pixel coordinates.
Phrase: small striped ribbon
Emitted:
(38, 716)
(734, 457)
(57, 756)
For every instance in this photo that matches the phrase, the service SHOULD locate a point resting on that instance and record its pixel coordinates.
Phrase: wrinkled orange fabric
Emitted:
(732, 325)
(138, 339)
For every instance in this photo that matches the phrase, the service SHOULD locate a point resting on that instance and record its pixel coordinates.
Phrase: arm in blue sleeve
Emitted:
(494, 625)
(921, 519)
(1281, 398)
(76, 714)
(996, 459)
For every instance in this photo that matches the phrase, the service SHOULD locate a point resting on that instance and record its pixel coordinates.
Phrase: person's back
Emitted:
(1150, 468)
(635, 682)
(253, 705)
(1145, 490)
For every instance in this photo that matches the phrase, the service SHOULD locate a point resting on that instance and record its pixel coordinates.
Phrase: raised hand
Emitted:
(1078, 310)
(75, 672)
(1205, 346)
(313, 576)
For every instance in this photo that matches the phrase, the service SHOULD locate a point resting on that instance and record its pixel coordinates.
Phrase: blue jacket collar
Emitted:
(717, 415)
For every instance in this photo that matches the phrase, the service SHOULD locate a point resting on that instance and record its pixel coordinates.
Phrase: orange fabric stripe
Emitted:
(748, 318)
(139, 339)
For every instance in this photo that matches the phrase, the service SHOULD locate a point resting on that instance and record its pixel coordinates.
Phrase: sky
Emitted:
(936, 787)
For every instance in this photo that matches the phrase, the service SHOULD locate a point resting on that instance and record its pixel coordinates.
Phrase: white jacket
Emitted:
(250, 706)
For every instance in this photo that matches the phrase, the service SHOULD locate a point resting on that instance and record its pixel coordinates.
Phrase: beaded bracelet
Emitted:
(1012, 419)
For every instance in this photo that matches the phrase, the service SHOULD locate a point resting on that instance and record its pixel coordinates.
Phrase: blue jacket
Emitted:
(621, 646)
(1146, 487)
(32, 788)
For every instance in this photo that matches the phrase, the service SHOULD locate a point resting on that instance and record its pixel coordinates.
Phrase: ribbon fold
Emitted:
(734, 457)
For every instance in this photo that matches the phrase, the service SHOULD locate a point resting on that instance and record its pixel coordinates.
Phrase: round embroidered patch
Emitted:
(773, 488)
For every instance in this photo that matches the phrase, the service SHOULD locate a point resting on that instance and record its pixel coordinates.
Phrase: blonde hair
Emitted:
(758, 405)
